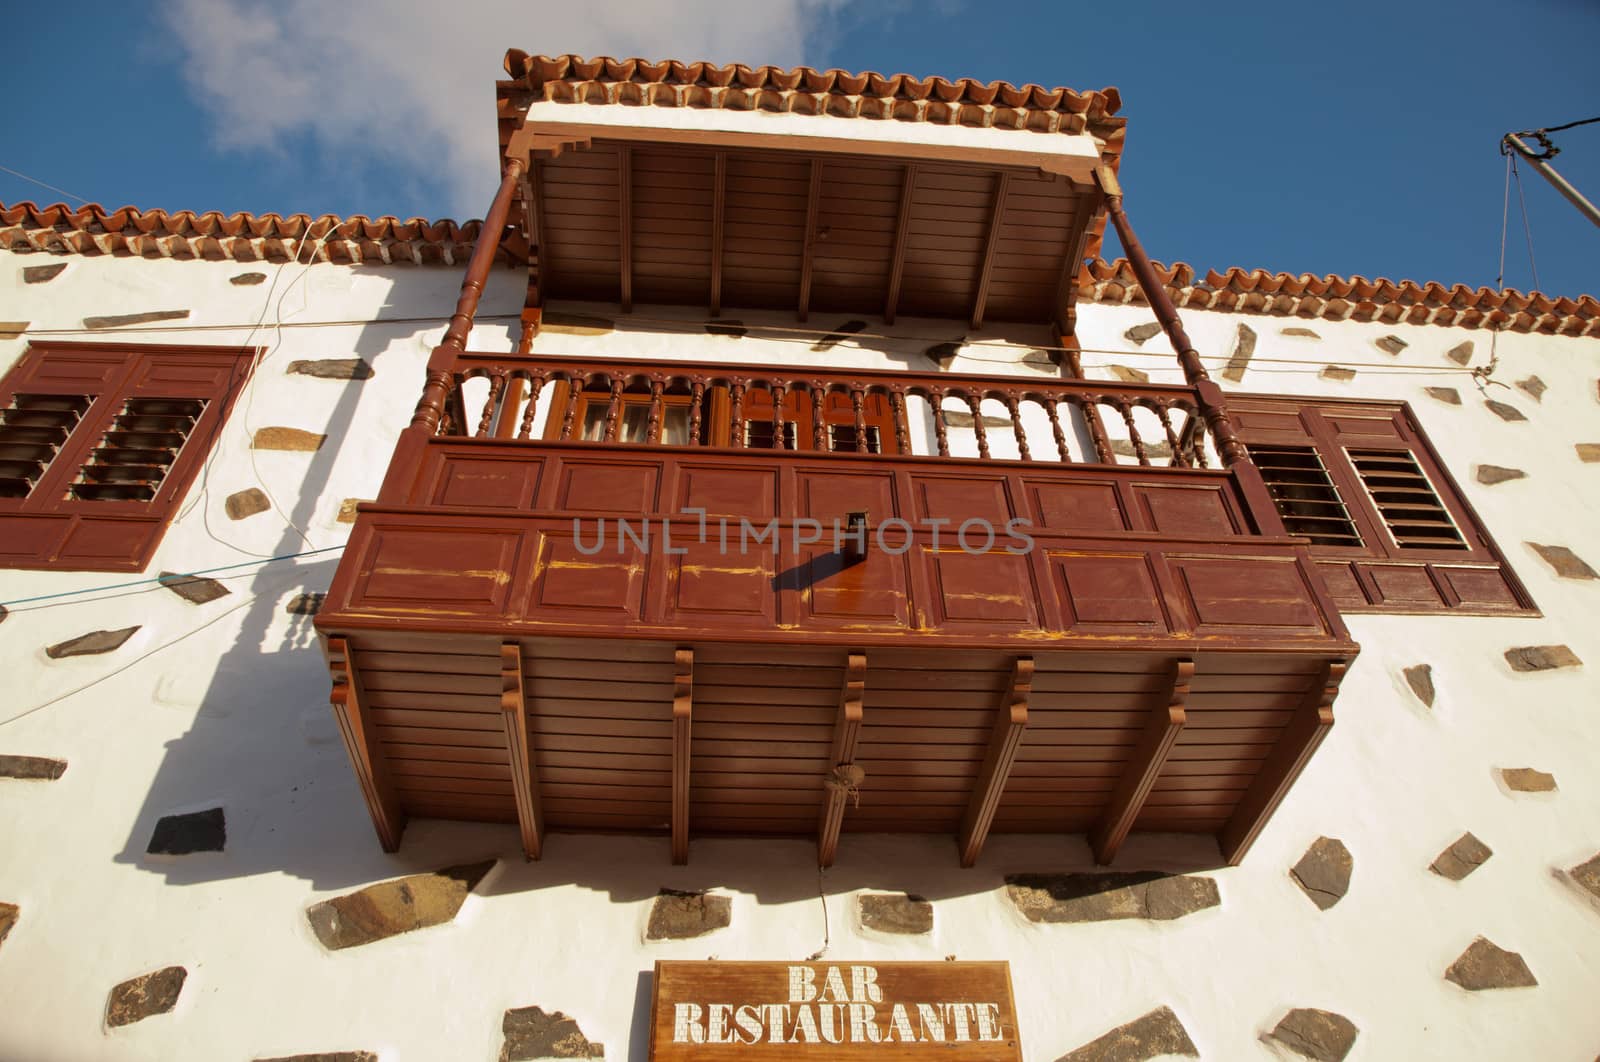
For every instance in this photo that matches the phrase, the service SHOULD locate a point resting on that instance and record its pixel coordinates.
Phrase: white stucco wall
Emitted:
(225, 704)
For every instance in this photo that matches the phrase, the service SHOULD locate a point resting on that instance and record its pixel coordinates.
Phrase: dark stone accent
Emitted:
(91, 643)
(899, 912)
(1390, 344)
(1151, 1036)
(1492, 474)
(1303, 333)
(326, 1056)
(1528, 780)
(1461, 353)
(1463, 856)
(530, 1033)
(193, 588)
(1420, 678)
(247, 503)
(1110, 895)
(145, 996)
(578, 324)
(1337, 372)
(1486, 965)
(956, 418)
(725, 327)
(13, 329)
(1324, 871)
(279, 438)
(1541, 658)
(1588, 453)
(1244, 349)
(305, 604)
(1585, 875)
(1319, 1034)
(1504, 410)
(1127, 375)
(195, 831)
(122, 320)
(247, 280)
(9, 913)
(347, 510)
(42, 274)
(839, 335)
(1535, 388)
(1139, 333)
(393, 907)
(32, 768)
(333, 369)
(1448, 395)
(4, 612)
(1124, 448)
(1567, 564)
(943, 354)
(680, 915)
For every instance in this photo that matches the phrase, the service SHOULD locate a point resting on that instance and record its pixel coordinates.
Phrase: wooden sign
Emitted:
(962, 1011)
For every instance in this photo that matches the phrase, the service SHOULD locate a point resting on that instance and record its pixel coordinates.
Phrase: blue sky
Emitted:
(1352, 138)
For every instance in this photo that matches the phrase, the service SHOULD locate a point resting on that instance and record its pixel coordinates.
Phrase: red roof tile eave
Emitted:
(212, 236)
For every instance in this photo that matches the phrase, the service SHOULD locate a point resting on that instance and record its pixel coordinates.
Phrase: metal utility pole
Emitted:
(1538, 160)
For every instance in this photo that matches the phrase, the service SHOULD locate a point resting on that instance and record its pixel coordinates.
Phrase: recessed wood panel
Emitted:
(993, 587)
(732, 583)
(118, 544)
(959, 500)
(454, 571)
(606, 586)
(1479, 587)
(487, 483)
(873, 589)
(609, 487)
(827, 497)
(728, 490)
(1106, 592)
(1077, 506)
(1188, 510)
(1407, 584)
(1230, 592)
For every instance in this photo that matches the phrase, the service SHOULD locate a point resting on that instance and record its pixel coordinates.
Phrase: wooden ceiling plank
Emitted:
(1066, 302)
(719, 202)
(1279, 770)
(538, 235)
(625, 225)
(846, 731)
(902, 229)
(813, 208)
(360, 741)
(1001, 186)
(1144, 767)
(524, 782)
(682, 719)
(1011, 718)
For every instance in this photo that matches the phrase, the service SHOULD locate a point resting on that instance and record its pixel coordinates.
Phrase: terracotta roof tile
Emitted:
(130, 232)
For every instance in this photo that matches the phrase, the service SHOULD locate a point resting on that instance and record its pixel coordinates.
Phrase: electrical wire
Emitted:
(1559, 128)
(41, 184)
(1526, 228)
(162, 580)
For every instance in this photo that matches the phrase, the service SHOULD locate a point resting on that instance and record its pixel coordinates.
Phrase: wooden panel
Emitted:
(606, 587)
(1091, 506)
(1188, 510)
(1228, 592)
(497, 482)
(1108, 593)
(462, 572)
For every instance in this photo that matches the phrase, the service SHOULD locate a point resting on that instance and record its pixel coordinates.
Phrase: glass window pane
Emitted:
(675, 426)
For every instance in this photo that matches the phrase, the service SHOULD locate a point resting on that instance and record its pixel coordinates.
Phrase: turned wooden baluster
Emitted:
(779, 393)
(1097, 431)
(1197, 440)
(497, 383)
(614, 410)
(1055, 428)
(819, 419)
(736, 392)
(535, 385)
(653, 431)
(697, 388)
(902, 434)
(1126, 410)
(1178, 460)
(976, 405)
(858, 400)
(940, 431)
(574, 388)
(1015, 410)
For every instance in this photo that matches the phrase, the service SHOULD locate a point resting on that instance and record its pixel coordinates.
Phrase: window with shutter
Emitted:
(99, 442)
(1389, 528)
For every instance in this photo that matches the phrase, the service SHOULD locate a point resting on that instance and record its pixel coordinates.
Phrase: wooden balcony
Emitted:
(1150, 660)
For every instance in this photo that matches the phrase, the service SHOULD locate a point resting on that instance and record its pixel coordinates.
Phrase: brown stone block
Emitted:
(1244, 348)
(9, 913)
(333, 369)
(1317, 1034)
(1541, 658)
(1464, 855)
(1492, 474)
(1527, 780)
(1504, 410)
(193, 588)
(1461, 353)
(32, 768)
(1390, 344)
(1534, 387)
(393, 907)
(679, 915)
(90, 644)
(1585, 875)
(247, 503)
(1485, 965)
(347, 510)
(13, 329)
(1110, 896)
(895, 912)
(123, 320)
(287, 439)
(1323, 873)
(1303, 333)
(1154, 1035)
(1588, 453)
(1567, 564)
(1127, 375)
(145, 996)
(245, 280)
(42, 274)
(1139, 333)
(1337, 372)
(1420, 678)
(1448, 395)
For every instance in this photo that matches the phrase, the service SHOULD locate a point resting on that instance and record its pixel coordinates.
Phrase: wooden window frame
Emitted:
(46, 528)
(1382, 575)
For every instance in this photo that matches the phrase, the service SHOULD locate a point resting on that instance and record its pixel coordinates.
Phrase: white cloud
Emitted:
(412, 84)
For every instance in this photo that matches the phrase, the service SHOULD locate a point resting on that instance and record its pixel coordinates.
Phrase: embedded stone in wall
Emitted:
(1110, 895)
(1448, 395)
(347, 510)
(530, 1033)
(193, 588)
(1156, 1034)
(393, 907)
(90, 644)
(1157, 448)
(145, 996)
(839, 335)
(246, 280)
(287, 439)
(1504, 410)
(1541, 658)
(333, 369)
(1492, 474)
(1585, 875)
(727, 327)
(4, 612)
(122, 320)
(944, 353)
(1390, 344)
(1139, 333)
(1420, 678)
(1588, 453)
(1464, 856)
(1527, 780)
(9, 913)
(1337, 372)
(575, 324)
(1319, 1034)
(959, 418)
(195, 831)
(32, 768)
(305, 604)
(1295, 330)
(1323, 873)
(13, 329)
(680, 915)
(1485, 965)
(326, 1056)
(895, 912)
(1534, 386)
(1461, 353)
(1244, 349)
(247, 503)
(42, 274)
(1127, 375)
(1567, 564)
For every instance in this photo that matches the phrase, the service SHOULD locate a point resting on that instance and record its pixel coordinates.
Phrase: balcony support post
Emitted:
(1144, 767)
(844, 777)
(524, 784)
(1009, 722)
(682, 720)
(349, 699)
